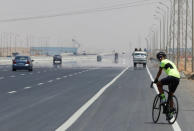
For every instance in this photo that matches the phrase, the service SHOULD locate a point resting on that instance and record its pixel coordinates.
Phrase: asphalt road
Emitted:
(44, 99)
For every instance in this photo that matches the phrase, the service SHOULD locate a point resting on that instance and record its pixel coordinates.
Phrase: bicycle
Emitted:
(157, 107)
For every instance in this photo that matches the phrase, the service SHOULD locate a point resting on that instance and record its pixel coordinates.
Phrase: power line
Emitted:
(85, 11)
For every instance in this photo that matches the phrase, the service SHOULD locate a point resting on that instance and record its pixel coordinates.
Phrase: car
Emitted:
(99, 58)
(22, 63)
(139, 57)
(57, 58)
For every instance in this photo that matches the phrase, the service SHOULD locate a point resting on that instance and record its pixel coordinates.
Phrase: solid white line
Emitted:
(81, 110)
(12, 92)
(175, 126)
(25, 88)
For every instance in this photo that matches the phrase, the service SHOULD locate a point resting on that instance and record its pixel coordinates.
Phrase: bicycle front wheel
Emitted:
(156, 109)
(176, 110)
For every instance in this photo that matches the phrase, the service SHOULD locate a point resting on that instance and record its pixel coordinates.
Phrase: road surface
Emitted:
(43, 100)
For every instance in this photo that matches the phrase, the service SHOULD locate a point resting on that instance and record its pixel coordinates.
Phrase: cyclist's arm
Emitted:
(159, 73)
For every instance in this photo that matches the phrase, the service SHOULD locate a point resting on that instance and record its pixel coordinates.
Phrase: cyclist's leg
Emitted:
(160, 87)
(164, 81)
(174, 82)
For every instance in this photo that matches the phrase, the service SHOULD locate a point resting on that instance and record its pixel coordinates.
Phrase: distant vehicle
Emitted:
(22, 63)
(99, 58)
(84, 53)
(57, 58)
(139, 57)
(15, 54)
(116, 57)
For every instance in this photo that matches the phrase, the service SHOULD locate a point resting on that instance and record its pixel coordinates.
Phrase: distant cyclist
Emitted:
(172, 80)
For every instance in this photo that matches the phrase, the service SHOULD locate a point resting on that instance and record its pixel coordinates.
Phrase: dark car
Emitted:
(57, 58)
(99, 58)
(22, 63)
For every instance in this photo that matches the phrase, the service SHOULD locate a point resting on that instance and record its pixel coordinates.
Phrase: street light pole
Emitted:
(163, 27)
(178, 33)
(192, 35)
(187, 5)
(174, 13)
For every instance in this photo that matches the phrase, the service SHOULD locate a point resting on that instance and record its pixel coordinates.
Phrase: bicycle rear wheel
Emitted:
(176, 110)
(156, 109)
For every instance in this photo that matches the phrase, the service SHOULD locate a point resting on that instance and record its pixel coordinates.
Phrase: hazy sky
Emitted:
(113, 29)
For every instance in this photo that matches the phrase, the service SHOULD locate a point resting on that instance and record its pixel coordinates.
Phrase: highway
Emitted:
(45, 99)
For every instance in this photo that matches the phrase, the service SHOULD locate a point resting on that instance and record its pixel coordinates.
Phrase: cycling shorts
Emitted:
(172, 83)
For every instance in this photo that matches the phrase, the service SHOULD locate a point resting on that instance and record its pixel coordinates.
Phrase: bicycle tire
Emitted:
(176, 106)
(155, 103)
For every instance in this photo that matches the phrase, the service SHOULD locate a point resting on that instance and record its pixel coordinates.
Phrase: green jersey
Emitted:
(169, 68)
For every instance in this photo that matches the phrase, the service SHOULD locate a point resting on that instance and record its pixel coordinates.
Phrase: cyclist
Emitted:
(172, 80)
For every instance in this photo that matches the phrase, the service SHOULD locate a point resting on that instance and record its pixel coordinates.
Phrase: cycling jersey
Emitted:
(169, 68)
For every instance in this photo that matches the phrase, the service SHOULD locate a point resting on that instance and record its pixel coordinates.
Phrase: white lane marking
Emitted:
(28, 87)
(1, 78)
(30, 73)
(22, 74)
(12, 76)
(75, 73)
(79, 72)
(175, 126)
(70, 75)
(58, 78)
(65, 76)
(12, 92)
(39, 84)
(50, 81)
(38, 72)
(152, 79)
(81, 110)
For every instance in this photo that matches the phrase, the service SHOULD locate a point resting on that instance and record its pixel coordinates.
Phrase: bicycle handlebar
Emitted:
(151, 86)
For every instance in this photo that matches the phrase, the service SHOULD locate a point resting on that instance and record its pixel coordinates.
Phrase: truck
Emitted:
(139, 57)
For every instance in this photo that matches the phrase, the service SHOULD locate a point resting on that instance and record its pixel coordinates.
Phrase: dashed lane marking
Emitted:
(39, 84)
(12, 92)
(64, 76)
(12, 76)
(28, 87)
(22, 74)
(58, 78)
(1, 78)
(50, 81)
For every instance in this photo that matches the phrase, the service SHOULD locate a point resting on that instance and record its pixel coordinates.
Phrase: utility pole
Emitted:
(178, 33)
(174, 13)
(187, 6)
(192, 35)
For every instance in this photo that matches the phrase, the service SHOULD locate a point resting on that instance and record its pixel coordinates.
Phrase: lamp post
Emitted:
(163, 27)
(168, 19)
(192, 35)
(160, 30)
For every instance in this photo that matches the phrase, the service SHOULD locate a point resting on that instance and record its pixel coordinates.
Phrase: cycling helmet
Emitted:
(160, 55)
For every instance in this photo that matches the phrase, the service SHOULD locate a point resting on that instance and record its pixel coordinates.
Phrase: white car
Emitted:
(139, 57)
